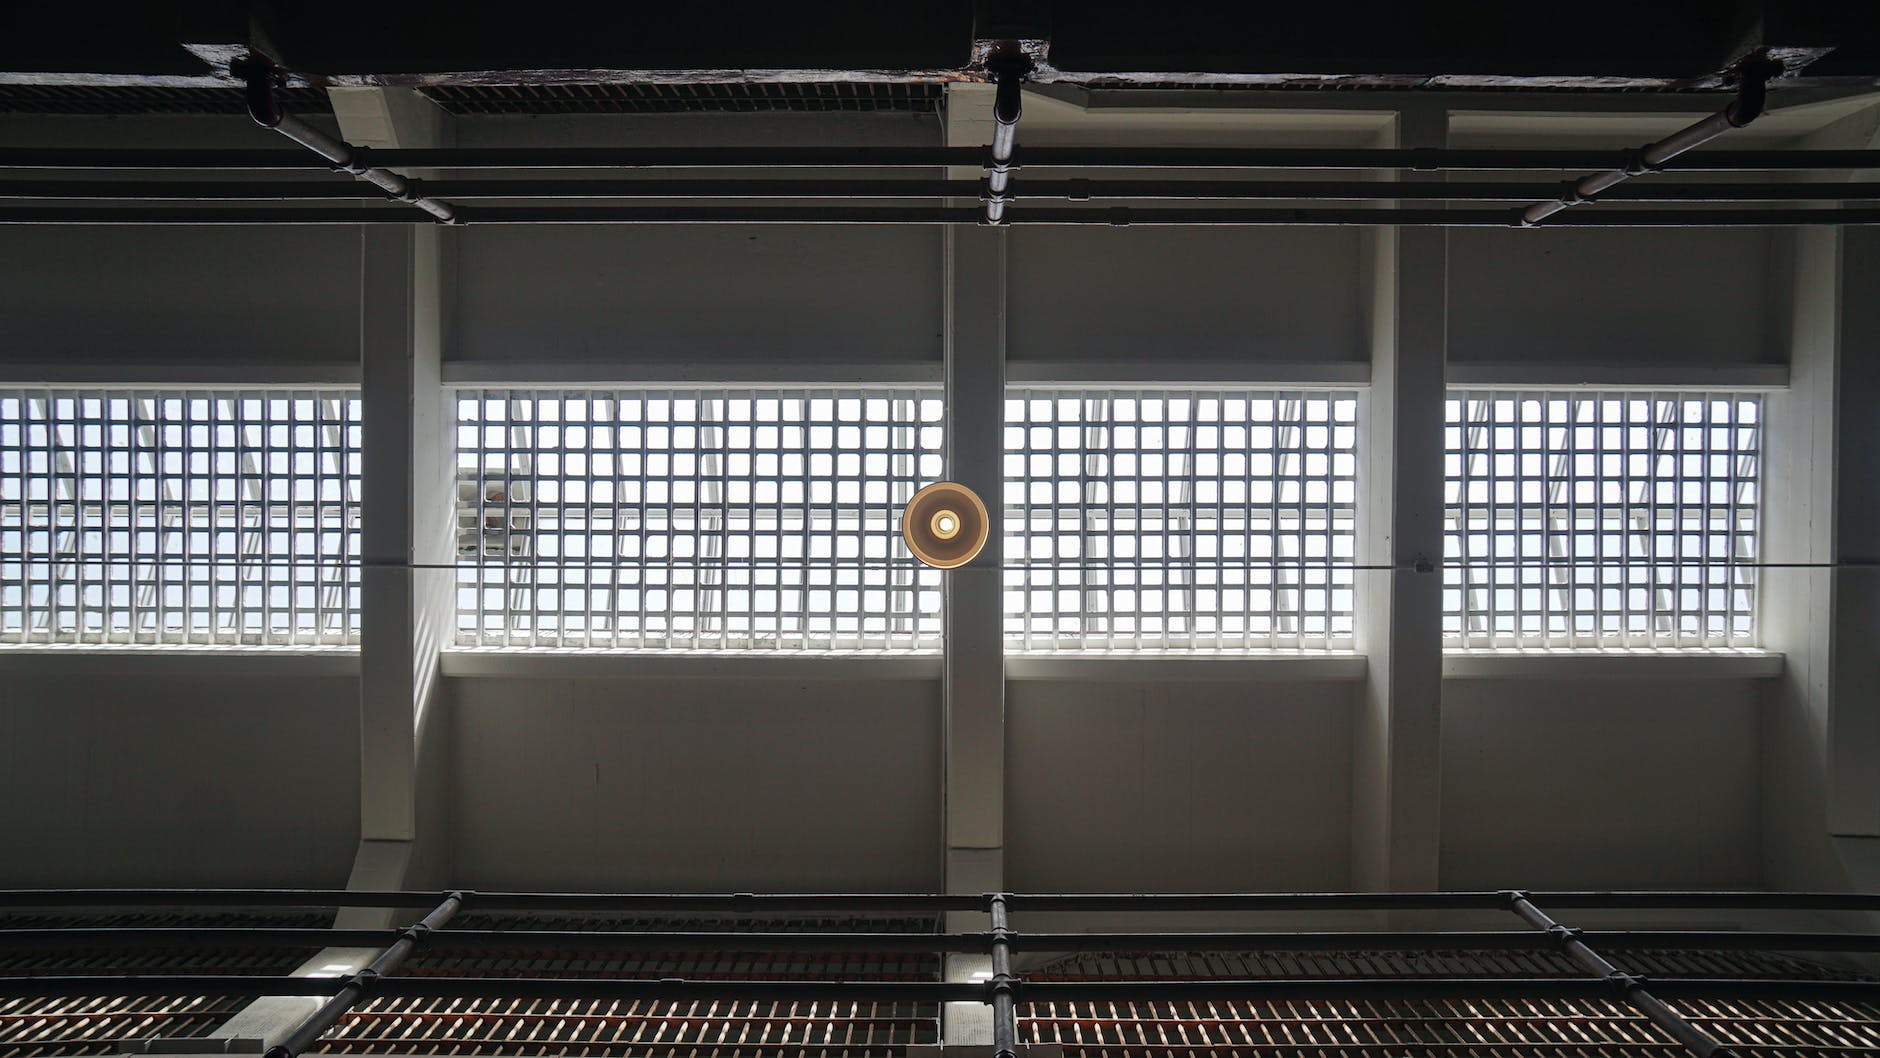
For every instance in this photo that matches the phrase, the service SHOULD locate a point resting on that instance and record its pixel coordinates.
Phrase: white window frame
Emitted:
(1479, 539)
(158, 529)
(1261, 629)
(866, 564)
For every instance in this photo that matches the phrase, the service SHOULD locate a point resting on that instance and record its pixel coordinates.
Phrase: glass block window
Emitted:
(696, 519)
(179, 517)
(1163, 520)
(1601, 519)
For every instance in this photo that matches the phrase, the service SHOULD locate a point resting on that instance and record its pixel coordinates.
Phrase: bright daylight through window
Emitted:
(698, 519)
(1601, 520)
(174, 518)
(1167, 520)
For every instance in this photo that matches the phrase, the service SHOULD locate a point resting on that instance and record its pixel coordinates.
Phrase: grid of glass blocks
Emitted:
(1166, 520)
(1601, 520)
(717, 519)
(173, 517)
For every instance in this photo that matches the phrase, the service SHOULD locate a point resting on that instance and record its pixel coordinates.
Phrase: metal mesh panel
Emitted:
(1499, 1028)
(101, 1024)
(698, 519)
(655, 1029)
(651, 98)
(173, 517)
(1167, 520)
(1601, 519)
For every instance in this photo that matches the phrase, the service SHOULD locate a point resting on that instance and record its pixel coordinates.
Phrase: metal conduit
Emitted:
(1115, 217)
(1072, 190)
(1010, 71)
(263, 78)
(1431, 159)
(356, 986)
(1694, 1039)
(1745, 108)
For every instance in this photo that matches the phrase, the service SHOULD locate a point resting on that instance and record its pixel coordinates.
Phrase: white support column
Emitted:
(1396, 760)
(408, 495)
(1821, 827)
(974, 692)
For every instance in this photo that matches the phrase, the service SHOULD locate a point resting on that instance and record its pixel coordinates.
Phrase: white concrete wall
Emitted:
(188, 779)
(1601, 784)
(690, 785)
(1217, 786)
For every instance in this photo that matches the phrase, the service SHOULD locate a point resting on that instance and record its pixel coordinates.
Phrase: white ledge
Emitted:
(1177, 668)
(179, 661)
(233, 375)
(705, 372)
(1725, 377)
(537, 663)
(1177, 374)
(1611, 664)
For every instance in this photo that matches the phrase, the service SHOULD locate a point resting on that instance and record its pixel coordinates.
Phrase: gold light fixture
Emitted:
(945, 525)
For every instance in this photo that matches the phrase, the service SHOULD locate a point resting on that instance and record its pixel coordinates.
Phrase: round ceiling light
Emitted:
(945, 525)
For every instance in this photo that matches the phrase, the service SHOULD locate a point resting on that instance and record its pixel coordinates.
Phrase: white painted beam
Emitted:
(973, 797)
(1396, 765)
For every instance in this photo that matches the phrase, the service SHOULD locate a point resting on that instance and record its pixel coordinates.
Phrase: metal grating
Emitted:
(177, 517)
(89, 1025)
(1391, 1029)
(697, 519)
(653, 1029)
(1166, 520)
(1601, 519)
(653, 98)
(147, 99)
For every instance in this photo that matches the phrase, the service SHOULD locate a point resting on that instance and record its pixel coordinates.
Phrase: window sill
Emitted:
(1612, 664)
(550, 663)
(1177, 667)
(115, 660)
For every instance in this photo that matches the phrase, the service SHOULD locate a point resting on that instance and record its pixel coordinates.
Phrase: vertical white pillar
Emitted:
(1821, 508)
(974, 692)
(1396, 760)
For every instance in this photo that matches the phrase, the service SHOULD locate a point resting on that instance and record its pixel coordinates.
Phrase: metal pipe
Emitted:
(489, 939)
(1745, 108)
(1074, 190)
(879, 902)
(231, 985)
(261, 79)
(1003, 986)
(1694, 1039)
(1492, 159)
(336, 1007)
(1010, 71)
(1115, 217)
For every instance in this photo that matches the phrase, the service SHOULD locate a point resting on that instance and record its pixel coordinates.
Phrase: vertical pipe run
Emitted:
(335, 1008)
(1745, 108)
(1003, 984)
(261, 79)
(1006, 106)
(1694, 1039)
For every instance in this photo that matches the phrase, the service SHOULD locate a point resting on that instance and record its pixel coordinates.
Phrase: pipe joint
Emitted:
(260, 81)
(1753, 94)
(1564, 935)
(1624, 984)
(1512, 898)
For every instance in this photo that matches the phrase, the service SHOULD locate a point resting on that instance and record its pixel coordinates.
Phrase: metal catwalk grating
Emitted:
(147, 99)
(653, 1029)
(923, 98)
(1475, 1028)
(88, 1025)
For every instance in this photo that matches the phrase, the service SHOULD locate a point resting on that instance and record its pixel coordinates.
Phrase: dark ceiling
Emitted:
(1676, 41)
